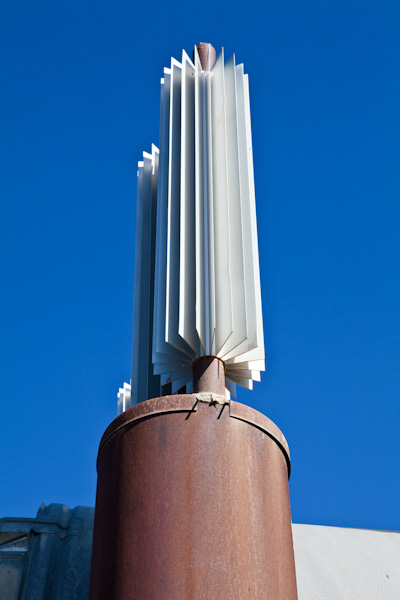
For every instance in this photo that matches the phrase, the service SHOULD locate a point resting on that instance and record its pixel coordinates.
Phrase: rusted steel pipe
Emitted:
(192, 504)
(209, 375)
(203, 49)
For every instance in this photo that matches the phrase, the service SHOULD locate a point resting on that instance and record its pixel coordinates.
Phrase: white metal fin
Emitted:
(197, 280)
(187, 251)
(219, 229)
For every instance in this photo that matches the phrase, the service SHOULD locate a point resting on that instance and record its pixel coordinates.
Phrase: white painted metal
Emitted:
(163, 352)
(257, 353)
(172, 336)
(206, 296)
(208, 125)
(244, 232)
(124, 398)
(187, 255)
(220, 208)
(202, 251)
(236, 247)
(144, 382)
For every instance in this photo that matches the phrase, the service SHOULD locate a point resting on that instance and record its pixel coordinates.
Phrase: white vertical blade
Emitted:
(203, 270)
(220, 209)
(209, 216)
(147, 383)
(153, 380)
(159, 284)
(173, 229)
(144, 383)
(136, 354)
(124, 398)
(202, 280)
(247, 234)
(161, 349)
(238, 291)
(258, 352)
(254, 237)
(187, 267)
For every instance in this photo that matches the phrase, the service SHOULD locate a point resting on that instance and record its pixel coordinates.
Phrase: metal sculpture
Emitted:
(192, 492)
(197, 282)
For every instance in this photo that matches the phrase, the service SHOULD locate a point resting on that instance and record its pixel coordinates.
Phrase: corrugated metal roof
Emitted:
(49, 558)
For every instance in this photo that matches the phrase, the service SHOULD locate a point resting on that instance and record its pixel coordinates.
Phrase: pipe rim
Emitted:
(188, 403)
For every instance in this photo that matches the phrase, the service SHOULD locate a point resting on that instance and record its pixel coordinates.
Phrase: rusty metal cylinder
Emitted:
(209, 375)
(192, 504)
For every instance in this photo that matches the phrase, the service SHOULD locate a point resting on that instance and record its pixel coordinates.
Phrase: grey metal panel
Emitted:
(56, 563)
(11, 572)
(337, 563)
(332, 563)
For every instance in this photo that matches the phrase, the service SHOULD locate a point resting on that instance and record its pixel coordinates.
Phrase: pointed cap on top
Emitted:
(204, 49)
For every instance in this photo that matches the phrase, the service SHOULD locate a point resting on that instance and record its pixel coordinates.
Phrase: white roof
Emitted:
(337, 563)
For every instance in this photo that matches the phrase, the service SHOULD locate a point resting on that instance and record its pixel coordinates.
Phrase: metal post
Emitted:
(209, 375)
(192, 504)
(204, 49)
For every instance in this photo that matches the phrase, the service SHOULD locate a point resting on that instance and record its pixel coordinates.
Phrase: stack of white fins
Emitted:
(196, 240)
(124, 398)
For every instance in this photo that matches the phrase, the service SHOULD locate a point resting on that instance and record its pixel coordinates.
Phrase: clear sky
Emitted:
(79, 103)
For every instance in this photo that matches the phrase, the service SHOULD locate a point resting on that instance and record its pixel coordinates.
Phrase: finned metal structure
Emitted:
(192, 490)
(197, 281)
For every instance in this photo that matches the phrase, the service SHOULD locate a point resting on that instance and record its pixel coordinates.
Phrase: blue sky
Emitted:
(79, 103)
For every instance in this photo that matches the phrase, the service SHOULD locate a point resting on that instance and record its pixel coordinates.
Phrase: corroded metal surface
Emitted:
(192, 503)
(209, 375)
(203, 49)
(253, 417)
